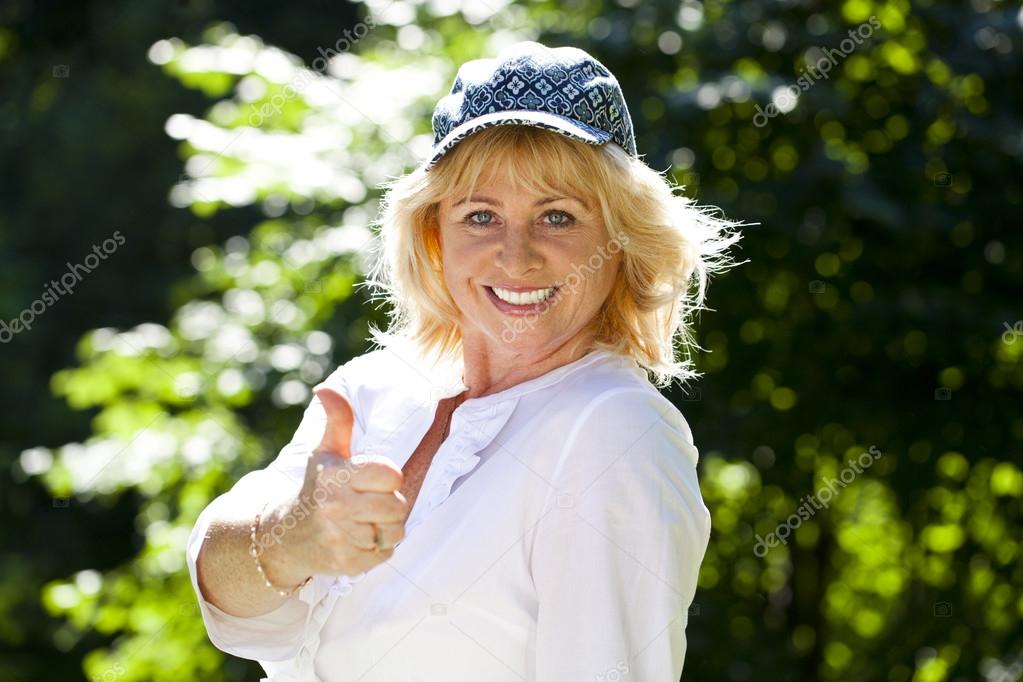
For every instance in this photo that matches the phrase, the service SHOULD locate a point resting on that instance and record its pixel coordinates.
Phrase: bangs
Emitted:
(532, 160)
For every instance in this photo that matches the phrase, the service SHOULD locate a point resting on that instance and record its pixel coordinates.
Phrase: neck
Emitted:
(487, 371)
(452, 404)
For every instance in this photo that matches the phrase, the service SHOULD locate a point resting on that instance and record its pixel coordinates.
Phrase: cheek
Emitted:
(457, 266)
(600, 284)
(465, 254)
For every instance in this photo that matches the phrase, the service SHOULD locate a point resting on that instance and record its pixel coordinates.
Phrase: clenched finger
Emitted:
(371, 507)
(376, 474)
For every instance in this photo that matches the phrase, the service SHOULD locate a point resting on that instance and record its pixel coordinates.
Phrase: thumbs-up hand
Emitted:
(349, 514)
(337, 436)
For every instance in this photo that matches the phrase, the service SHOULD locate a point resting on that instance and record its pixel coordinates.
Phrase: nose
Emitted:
(517, 254)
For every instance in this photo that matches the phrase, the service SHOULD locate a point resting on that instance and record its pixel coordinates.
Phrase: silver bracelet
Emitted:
(259, 566)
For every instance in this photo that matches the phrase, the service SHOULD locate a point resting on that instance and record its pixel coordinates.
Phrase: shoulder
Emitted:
(626, 451)
(387, 387)
(613, 399)
(607, 423)
(364, 368)
(382, 369)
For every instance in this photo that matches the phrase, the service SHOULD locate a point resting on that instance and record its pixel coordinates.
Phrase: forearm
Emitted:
(227, 573)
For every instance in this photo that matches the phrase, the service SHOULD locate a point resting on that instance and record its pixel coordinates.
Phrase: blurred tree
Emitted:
(84, 155)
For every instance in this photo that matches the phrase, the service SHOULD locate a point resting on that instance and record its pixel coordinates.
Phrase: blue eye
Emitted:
(561, 218)
(469, 218)
(566, 218)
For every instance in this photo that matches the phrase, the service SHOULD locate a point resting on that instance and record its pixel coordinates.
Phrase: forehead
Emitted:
(502, 199)
(501, 188)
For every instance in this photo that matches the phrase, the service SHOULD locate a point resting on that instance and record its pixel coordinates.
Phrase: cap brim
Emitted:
(538, 119)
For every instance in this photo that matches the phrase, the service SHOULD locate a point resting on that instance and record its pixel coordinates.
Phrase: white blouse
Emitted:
(557, 536)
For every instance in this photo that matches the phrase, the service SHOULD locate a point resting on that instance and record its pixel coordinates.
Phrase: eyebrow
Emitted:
(481, 199)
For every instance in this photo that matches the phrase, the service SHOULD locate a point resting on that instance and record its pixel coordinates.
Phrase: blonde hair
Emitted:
(670, 247)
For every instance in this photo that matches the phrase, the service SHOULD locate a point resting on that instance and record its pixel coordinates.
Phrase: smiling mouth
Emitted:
(523, 297)
(521, 302)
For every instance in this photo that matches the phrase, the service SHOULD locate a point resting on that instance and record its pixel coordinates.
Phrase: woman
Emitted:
(524, 504)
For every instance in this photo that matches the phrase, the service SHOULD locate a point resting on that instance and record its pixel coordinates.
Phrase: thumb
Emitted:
(337, 435)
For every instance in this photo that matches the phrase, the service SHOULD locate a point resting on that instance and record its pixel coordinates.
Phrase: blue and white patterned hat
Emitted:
(562, 89)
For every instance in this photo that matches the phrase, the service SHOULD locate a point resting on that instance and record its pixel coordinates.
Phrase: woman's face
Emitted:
(504, 251)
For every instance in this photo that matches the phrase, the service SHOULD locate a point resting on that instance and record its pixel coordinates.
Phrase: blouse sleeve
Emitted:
(277, 635)
(617, 554)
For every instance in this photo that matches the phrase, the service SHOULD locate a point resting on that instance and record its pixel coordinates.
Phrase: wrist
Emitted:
(271, 558)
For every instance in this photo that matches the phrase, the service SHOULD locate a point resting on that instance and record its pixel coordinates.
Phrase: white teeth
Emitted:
(523, 298)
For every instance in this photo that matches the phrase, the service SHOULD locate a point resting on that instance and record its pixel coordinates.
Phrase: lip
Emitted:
(512, 309)
(519, 290)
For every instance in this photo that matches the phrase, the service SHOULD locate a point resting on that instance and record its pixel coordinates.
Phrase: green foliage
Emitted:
(169, 400)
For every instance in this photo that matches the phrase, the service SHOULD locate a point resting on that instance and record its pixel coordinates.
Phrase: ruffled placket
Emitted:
(473, 428)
